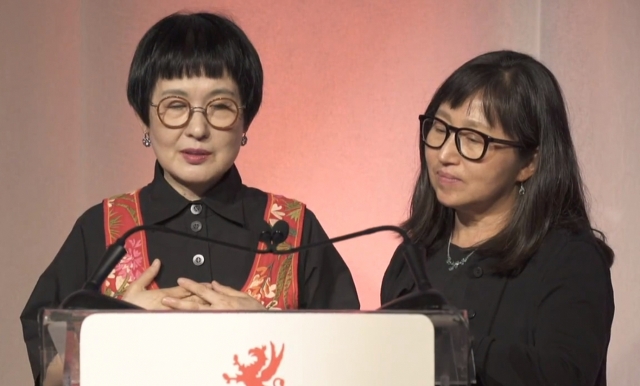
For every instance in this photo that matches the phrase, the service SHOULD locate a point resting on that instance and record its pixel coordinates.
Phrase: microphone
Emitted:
(274, 236)
(90, 297)
(279, 233)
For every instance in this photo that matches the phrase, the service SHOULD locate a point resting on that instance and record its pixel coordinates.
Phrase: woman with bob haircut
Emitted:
(196, 84)
(499, 206)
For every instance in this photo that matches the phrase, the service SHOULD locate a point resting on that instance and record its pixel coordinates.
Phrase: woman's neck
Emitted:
(471, 230)
(187, 193)
(191, 192)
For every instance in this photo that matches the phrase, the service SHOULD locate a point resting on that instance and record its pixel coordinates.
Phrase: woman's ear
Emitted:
(143, 127)
(529, 168)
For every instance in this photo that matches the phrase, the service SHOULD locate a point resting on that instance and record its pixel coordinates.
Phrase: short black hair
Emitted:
(524, 97)
(195, 44)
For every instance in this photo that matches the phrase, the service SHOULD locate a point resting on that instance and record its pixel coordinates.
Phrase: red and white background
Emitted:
(345, 82)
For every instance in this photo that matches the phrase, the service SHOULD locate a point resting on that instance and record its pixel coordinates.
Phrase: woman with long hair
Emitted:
(499, 206)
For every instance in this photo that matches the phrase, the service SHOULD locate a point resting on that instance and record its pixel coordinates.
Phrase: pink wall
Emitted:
(345, 83)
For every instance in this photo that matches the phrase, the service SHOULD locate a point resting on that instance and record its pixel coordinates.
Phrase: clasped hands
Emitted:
(188, 295)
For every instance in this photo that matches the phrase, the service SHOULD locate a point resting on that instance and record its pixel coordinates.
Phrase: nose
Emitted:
(198, 127)
(448, 153)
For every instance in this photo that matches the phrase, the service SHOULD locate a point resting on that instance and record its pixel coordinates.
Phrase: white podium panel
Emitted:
(256, 349)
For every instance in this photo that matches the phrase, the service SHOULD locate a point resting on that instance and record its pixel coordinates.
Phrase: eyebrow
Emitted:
(467, 122)
(213, 93)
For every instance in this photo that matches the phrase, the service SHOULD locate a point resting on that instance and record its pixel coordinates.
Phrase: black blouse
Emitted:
(230, 211)
(549, 325)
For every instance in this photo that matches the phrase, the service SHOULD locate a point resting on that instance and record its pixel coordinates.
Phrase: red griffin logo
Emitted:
(261, 370)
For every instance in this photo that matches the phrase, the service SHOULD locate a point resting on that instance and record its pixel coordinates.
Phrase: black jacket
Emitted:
(230, 211)
(549, 325)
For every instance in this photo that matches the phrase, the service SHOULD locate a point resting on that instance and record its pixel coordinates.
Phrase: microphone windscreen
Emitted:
(265, 233)
(279, 232)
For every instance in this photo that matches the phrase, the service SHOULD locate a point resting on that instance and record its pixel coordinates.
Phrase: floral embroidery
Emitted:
(276, 213)
(121, 214)
(273, 280)
(132, 264)
(261, 288)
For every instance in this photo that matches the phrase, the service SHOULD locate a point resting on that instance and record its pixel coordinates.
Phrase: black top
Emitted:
(230, 211)
(549, 325)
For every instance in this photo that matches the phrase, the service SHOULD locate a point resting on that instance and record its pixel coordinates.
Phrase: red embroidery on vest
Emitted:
(274, 278)
(122, 213)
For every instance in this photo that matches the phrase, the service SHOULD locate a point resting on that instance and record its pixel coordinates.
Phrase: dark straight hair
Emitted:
(524, 97)
(199, 44)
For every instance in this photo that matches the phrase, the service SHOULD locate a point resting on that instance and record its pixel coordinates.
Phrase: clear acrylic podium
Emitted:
(130, 347)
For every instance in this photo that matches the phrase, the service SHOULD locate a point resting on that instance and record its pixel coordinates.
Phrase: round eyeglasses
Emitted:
(471, 144)
(176, 112)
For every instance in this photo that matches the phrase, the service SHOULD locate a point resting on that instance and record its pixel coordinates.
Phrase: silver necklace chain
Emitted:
(455, 264)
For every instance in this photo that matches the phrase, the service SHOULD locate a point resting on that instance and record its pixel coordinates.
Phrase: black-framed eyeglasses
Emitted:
(471, 144)
(176, 112)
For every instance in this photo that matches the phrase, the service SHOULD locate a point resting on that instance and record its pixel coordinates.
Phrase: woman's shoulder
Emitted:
(254, 193)
(565, 239)
(94, 215)
(564, 248)
(397, 279)
(258, 199)
(91, 216)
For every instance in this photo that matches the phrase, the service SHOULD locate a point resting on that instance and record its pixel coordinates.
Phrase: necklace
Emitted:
(455, 264)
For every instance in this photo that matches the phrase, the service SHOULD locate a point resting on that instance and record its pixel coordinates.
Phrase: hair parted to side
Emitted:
(195, 44)
(523, 96)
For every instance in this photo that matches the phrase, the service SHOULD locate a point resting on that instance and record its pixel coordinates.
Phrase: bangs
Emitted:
(492, 88)
(195, 45)
(191, 49)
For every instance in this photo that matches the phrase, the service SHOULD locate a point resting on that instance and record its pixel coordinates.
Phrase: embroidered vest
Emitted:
(273, 279)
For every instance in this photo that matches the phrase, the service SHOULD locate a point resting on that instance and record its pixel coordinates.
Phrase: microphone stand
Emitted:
(90, 297)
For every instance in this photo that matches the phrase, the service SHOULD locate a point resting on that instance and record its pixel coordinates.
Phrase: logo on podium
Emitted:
(261, 370)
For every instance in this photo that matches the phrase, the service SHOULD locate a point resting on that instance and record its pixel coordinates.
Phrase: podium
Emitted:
(275, 348)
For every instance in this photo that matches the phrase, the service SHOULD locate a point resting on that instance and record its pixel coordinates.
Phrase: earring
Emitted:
(521, 190)
(146, 141)
(244, 139)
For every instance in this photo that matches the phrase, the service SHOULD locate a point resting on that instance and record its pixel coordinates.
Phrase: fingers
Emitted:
(181, 293)
(183, 304)
(196, 299)
(220, 297)
(176, 292)
(200, 290)
(226, 303)
(223, 289)
(187, 304)
(192, 296)
(146, 278)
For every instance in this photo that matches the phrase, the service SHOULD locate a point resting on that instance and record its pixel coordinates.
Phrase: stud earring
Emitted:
(244, 139)
(146, 141)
